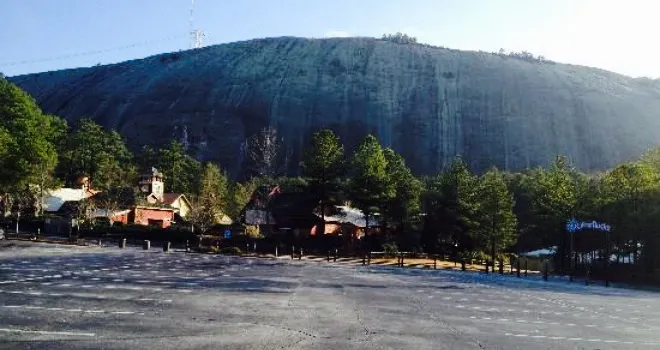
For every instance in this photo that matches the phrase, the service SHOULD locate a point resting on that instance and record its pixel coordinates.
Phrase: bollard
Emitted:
(293, 252)
(276, 251)
(254, 247)
(335, 258)
(146, 245)
(588, 275)
(518, 268)
(166, 246)
(100, 243)
(122, 243)
(369, 258)
(364, 259)
(247, 248)
(327, 256)
(187, 246)
(301, 254)
(501, 267)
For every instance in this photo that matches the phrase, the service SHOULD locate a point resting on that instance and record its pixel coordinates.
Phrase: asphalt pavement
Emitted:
(107, 298)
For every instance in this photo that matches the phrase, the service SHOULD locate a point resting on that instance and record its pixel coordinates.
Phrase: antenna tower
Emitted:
(197, 36)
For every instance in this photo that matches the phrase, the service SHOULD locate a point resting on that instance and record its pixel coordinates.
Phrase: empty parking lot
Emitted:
(66, 298)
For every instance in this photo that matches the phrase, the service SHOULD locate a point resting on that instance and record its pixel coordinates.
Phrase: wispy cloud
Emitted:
(336, 34)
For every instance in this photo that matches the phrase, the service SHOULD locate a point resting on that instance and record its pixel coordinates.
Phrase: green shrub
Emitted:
(231, 251)
(390, 250)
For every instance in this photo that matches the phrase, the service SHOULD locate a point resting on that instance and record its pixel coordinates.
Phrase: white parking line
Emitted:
(582, 339)
(32, 307)
(30, 331)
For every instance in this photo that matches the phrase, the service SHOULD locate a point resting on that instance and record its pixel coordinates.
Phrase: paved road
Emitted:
(108, 298)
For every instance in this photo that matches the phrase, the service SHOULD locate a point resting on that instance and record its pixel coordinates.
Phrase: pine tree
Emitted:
(624, 189)
(102, 155)
(451, 207)
(404, 207)
(181, 170)
(370, 185)
(323, 165)
(497, 220)
(556, 199)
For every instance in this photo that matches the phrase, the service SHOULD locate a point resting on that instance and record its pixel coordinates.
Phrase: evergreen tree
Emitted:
(211, 198)
(404, 207)
(451, 207)
(323, 165)
(370, 185)
(624, 192)
(102, 155)
(497, 220)
(146, 157)
(181, 170)
(556, 198)
(239, 196)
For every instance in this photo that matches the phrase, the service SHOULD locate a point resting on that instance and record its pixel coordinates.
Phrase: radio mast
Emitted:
(197, 36)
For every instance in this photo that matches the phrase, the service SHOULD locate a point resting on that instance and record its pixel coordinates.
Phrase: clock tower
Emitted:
(152, 183)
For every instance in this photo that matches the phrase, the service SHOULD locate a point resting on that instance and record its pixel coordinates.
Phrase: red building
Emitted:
(146, 216)
(149, 207)
(159, 217)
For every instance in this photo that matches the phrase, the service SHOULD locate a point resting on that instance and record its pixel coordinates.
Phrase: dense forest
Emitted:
(455, 212)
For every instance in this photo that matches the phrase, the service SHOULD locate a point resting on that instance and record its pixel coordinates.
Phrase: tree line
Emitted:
(455, 212)
(494, 214)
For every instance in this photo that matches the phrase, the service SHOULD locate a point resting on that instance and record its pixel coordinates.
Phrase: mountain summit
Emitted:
(428, 103)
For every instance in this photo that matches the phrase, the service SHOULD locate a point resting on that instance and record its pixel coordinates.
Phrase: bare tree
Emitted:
(84, 213)
(264, 152)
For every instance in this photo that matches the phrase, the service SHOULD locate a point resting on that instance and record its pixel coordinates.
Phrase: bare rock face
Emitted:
(428, 103)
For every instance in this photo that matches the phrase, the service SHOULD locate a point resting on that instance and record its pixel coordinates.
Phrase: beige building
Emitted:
(153, 184)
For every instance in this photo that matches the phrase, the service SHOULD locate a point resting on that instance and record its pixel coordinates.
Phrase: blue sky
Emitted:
(42, 35)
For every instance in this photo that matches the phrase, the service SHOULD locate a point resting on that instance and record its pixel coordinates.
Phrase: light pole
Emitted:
(607, 258)
(570, 257)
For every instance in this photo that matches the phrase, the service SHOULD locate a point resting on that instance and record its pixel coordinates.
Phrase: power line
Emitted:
(90, 53)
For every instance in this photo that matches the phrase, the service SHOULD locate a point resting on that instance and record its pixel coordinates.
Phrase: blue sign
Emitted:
(573, 225)
(227, 233)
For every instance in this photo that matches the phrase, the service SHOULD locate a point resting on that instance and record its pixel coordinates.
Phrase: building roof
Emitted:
(54, 199)
(147, 207)
(104, 212)
(170, 198)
